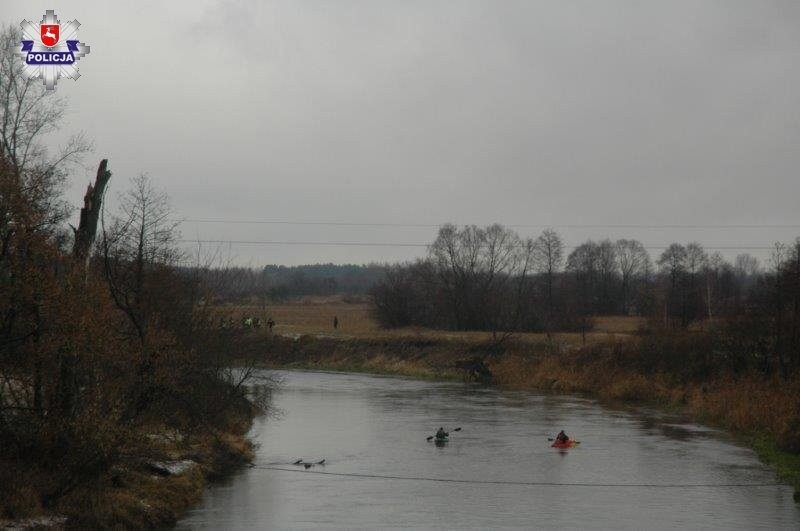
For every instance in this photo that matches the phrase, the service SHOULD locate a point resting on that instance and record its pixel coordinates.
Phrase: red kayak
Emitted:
(569, 443)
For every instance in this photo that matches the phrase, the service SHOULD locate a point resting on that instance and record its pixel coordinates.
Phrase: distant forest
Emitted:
(489, 278)
(277, 282)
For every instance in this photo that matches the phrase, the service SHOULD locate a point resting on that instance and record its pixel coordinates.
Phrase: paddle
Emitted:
(446, 433)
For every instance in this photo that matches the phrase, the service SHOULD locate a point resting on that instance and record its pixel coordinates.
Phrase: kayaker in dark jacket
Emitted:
(562, 437)
(441, 434)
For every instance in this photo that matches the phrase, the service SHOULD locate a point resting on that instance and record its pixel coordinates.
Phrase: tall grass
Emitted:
(673, 369)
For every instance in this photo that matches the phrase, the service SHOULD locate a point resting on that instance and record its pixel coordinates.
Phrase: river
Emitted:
(634, 468)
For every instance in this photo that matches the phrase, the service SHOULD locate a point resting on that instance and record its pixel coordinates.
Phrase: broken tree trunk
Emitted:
(90, 214)
(81, 250)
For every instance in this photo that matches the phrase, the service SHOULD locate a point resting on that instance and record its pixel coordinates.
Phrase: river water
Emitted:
(507, 474)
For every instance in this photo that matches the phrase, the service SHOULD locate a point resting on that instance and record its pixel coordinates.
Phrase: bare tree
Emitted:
(713, 269)
(634, 263)
(791, 271)
(31, 208)
(607, 273)
(696, 261)
(82, 245)
(475, 267)
(141, 239)
(778, 258)
(745, 265)
(583, 264)
(548, 258)
(673, 264)
(453, 264)
(28, 112)
(673, 261)
(683, 266)
(525, 264)
(138, 249)
(696, 258)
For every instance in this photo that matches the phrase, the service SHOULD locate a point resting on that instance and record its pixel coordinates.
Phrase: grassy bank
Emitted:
(143, 497)
(764, 412)
(786, 464)
(415, 357)
(164, 474)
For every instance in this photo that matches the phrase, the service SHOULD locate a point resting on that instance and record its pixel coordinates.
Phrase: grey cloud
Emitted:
(464, 111)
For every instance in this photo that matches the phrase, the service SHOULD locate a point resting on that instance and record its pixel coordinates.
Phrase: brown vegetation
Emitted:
(96, 364)
(105, 343)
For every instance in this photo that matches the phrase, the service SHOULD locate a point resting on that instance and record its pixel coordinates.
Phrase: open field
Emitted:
(314, 316)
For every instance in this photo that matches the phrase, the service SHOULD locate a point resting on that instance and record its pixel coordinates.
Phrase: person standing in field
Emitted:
(335, 322)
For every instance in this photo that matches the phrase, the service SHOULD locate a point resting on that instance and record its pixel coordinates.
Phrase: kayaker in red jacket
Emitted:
(562, 437)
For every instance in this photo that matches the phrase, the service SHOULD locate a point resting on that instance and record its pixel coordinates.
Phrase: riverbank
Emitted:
(151, 488)
(765, 413)
(158, 492)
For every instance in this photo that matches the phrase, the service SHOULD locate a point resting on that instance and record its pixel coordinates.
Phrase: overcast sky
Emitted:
(422, 112)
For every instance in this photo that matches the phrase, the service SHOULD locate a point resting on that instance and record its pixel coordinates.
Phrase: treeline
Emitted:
(104, 342)
(488, 278)
(277, 282)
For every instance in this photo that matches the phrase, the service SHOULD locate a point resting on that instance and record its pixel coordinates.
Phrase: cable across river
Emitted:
(519, 483)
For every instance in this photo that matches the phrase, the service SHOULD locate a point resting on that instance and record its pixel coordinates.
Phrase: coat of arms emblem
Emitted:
(51, 49)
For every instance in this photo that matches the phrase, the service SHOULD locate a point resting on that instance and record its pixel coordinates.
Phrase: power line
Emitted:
(423, 245)
(339, 244)
(328, 223)
(520, 483)
(532, 226)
